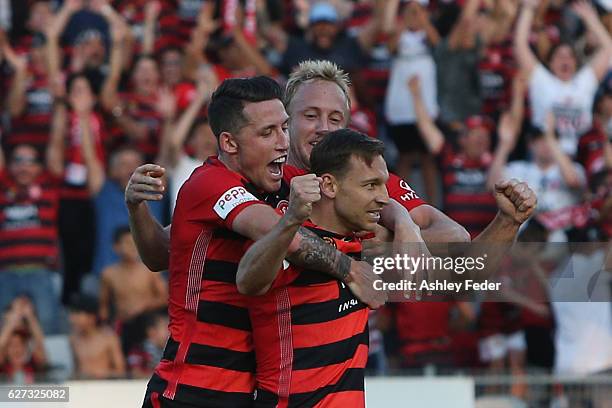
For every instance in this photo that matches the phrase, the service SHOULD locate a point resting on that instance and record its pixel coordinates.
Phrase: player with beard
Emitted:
(310, 333)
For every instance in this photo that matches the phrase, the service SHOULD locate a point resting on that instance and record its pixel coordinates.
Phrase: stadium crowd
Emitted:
(464, 91)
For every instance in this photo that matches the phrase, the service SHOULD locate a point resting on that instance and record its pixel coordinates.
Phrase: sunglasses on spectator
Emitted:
(24, 160)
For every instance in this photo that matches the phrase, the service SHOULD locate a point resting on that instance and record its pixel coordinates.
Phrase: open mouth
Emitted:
(374, 215)
(275, 167)
(316, 141)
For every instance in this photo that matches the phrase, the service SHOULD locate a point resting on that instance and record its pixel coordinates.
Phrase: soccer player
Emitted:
(309, 331)
(208, 360)
(317, 101)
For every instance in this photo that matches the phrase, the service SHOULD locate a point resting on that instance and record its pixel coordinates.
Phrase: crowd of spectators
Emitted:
(465, 91)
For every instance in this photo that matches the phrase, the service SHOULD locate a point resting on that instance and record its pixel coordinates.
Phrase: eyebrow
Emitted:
(318, 109)
(273, 126)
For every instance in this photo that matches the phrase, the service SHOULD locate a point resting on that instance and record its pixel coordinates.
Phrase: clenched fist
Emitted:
(515, 200)
(145, 184)
(305, 190)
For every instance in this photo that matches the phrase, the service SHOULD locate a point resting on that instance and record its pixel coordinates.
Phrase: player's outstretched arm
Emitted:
(151, 238)
(516, 202)
(437, 227)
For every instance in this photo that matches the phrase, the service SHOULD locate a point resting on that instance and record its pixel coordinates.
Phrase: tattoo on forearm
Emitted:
(314, 253)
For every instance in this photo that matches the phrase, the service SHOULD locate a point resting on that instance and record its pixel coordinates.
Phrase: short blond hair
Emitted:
(317, 70)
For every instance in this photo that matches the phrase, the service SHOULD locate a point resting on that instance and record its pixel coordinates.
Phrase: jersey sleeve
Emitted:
(401, 192)
(217, 196)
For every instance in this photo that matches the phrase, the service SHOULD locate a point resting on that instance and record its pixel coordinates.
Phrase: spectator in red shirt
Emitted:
(466, 162)
(29, 100)
(29, 211)
(22, 355)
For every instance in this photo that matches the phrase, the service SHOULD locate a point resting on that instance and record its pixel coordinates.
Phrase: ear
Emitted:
(329, 186)
(228, 143)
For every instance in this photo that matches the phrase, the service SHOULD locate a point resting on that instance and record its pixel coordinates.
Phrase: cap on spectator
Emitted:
(323, 12)
(87, 35)
(478, 121)
(83, 303)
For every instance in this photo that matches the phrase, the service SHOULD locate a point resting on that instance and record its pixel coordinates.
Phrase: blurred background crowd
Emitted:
(463, 92)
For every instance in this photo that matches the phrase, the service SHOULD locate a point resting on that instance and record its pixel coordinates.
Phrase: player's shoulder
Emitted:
(211, 178)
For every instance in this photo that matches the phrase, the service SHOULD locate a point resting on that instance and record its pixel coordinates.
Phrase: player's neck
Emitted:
(229, 161)
(324, 216)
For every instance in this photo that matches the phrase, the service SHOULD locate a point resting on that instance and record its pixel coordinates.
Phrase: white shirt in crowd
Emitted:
(549, 185)
(570, 101)
(413, 58)
(583, 337)
(178, 175)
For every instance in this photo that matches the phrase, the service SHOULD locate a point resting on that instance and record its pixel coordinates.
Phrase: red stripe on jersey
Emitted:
(222, 292)
(216, 378)
(283, 310)
(353, 399)
(324, 293)
(222, 336)
(302, 380)
(317, 334)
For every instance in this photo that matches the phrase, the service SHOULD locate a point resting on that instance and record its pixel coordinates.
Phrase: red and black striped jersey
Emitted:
(28, 222)
(496, 70)
(591, 147)
(142, 109)
(422, 326)
(311, 338)
(209, 359)
(33, 125)
(467, 199)
(75, 170)
(169, 25)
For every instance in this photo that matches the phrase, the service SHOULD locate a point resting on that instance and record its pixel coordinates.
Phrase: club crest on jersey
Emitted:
(282, 206)
(231, 199)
